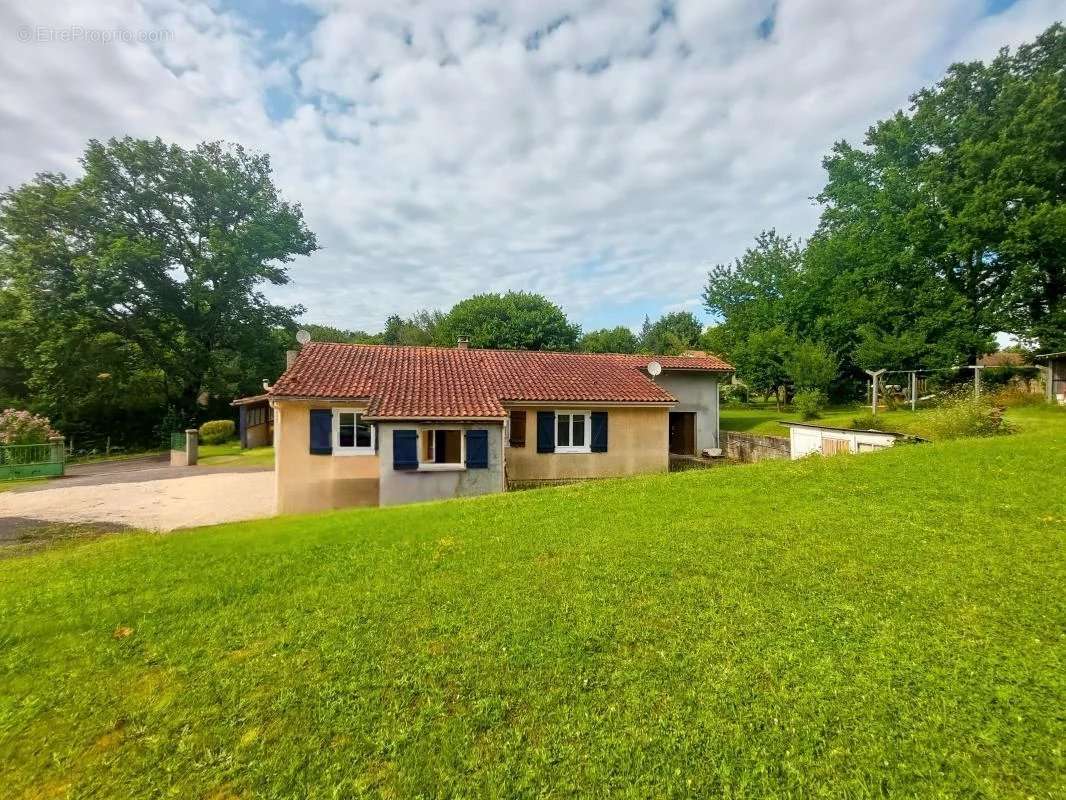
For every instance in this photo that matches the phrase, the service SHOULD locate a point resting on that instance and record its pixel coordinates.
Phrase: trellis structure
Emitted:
(915, 385)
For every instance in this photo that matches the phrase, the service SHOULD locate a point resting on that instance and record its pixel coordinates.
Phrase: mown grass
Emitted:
(891, 624)
(231, 454)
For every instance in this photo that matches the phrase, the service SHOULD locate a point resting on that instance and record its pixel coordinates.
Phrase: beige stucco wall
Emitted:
(304, 482)
(636, 443)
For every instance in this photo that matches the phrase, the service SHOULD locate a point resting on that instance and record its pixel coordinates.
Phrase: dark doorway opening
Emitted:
(683, 433)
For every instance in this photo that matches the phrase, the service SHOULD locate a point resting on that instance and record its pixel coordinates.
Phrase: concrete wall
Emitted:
(698, 392)
(636, 442)
(750, 447)
(437, 483)
(304, 482)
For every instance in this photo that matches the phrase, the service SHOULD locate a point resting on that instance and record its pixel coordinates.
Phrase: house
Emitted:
(1054, 376)
(805, 439)
(255, 426)
(362, 424)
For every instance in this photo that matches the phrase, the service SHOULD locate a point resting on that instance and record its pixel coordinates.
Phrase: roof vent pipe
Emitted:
(463, 343)
(290, 358)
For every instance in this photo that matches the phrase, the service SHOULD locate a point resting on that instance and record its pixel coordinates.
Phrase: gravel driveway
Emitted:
(141, 493)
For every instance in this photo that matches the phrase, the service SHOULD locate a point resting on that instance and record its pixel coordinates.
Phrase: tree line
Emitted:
(521, 321)
(947, 226)
(131, 297)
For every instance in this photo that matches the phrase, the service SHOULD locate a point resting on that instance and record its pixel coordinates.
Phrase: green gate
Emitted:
(31, 460)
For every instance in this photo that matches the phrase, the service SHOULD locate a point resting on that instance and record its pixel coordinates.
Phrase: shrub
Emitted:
(958, 416)
(809, 403)
(1014, 394)
(866, 422)
(734, 393)
(23, 427)
(217, 431)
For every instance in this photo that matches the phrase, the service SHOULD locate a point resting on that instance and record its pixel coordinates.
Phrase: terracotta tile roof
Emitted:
(453, 382)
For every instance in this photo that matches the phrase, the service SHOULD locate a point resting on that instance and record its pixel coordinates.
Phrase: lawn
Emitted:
(891, 624)
(763, 418)
(231, 454)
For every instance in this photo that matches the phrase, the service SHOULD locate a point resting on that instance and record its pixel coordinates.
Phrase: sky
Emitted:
(605, 154)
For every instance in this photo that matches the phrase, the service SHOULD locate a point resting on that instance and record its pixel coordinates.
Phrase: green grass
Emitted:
(231, 454)
(8, 485)
(764, 418)
(891, 624)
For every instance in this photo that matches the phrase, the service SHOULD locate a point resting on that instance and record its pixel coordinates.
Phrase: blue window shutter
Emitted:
(321, 431)
(477, 449)
(405, 449)
(545, 431)
(598, 440)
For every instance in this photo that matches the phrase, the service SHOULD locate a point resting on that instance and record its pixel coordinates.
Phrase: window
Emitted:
(571, 432)
(441, 448)
(351, 434)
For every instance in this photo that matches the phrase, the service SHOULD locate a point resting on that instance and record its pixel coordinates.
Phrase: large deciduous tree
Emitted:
(515, 320)
(139, 284)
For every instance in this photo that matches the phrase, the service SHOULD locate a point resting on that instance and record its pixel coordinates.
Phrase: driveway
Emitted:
(140, 493)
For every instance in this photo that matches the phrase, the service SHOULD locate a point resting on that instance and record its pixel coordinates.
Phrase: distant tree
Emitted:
(515, 320)
(757, 292)
(810, 365)
(327, 333)
(762, 361)
(420, 329)
(671, 334)
(609, 340)
(138, 284)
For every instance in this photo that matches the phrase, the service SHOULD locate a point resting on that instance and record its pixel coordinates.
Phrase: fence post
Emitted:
(57, 452)
(874, 375)
(914, 390)
(977, 380)
(192, 446)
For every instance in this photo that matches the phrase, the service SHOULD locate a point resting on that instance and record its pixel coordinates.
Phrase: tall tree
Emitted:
(964, 195)
(515, 320)
(756, 292)
(141, 280)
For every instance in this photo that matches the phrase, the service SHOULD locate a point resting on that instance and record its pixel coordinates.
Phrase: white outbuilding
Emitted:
(805, 438)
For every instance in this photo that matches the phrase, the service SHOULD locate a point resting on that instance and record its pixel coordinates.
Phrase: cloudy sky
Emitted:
(601, 152)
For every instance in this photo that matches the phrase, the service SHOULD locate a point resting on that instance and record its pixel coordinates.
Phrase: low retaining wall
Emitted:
(749, 447)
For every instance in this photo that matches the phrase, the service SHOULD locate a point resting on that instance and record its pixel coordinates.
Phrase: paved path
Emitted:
(140, 493)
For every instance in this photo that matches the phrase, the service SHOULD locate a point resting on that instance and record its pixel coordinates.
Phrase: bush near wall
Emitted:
(217, 431)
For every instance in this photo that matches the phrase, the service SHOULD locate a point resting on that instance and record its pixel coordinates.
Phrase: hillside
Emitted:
(888, 624)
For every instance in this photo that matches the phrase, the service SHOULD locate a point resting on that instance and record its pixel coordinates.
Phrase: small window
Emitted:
(571, 432)
(352, 435)
(441, 446)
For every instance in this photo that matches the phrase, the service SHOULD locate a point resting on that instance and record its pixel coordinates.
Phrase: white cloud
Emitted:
(438, 153)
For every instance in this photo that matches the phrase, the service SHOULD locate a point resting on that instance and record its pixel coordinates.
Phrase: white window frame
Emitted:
(569, 448)
(450, 466)
(335, 434)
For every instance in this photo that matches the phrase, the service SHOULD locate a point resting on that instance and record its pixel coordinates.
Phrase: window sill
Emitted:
(361, 451)
(573, 450)
(441, 468)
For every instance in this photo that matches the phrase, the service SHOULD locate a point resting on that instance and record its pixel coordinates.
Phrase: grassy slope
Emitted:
(763, 418)
(887, 624)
